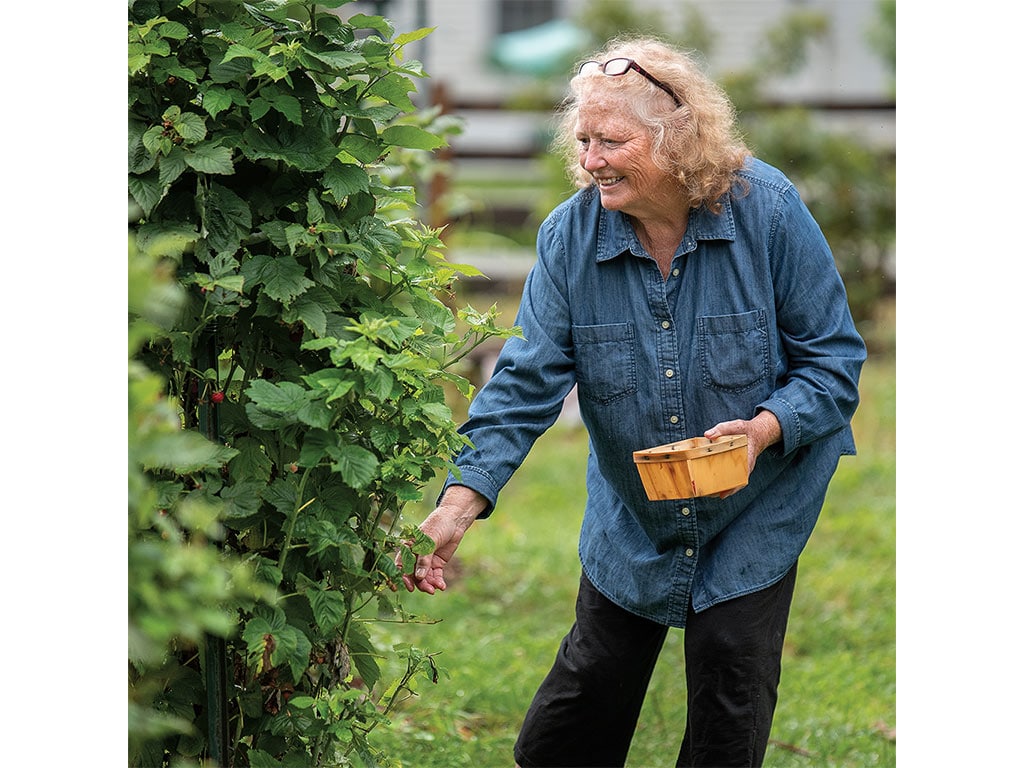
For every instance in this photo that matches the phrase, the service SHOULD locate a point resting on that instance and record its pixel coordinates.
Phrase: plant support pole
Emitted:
(216, 649)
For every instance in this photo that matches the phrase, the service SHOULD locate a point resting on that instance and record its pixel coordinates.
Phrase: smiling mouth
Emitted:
(603, 183)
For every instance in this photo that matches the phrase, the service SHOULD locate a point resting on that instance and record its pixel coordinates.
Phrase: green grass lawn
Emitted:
(511, 600)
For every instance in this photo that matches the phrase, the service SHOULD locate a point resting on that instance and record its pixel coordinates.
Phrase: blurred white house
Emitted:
(844, 80)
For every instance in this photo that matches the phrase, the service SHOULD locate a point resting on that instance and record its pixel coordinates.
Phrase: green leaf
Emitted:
(282, 277)
(172, 165)
(362, 652)
(172, 239)
(378, 23)
(190, 126)
(335, 381)
(315, 446)
(172, 30)
(356, 465)
(411, 136)
(286, 397)
(343, 179)
(146, 190)
(252, 461)
(394, 89)
(362, 148)
(338, 60)
(207, 158)
(309, 310)
(260, 759)
(227, 218)
(289, 106)
(384, 436)
(216, 100)
(380, 383)
(242, 500)
(184, 452)
(328, 609)
(155, 141)
(307, 150)
(236, 51)
(410, 37)
(140, 157)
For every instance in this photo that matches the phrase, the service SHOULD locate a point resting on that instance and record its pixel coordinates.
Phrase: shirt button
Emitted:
(689, 552)
(674, 419)
(670, 373)
(686, 511)
(666, 324)
(675, 272)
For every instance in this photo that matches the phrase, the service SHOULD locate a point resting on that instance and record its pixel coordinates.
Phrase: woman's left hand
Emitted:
(761, 431)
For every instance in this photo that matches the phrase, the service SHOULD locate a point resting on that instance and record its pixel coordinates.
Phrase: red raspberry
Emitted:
(217, 397)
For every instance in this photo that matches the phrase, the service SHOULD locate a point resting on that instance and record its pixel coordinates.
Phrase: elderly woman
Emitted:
(685, 290)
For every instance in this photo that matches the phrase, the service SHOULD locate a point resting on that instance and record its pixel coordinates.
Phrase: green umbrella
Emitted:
(544, 50)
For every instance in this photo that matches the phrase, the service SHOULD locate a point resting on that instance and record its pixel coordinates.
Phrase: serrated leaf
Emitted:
(315, 446)
(241, 500)
(379, 23)
(154, 140)
(184, 452)
(146, 190)
(293, 648)
(329, 609)
(356, 465)
(252, 460)
(384, 437)
(287, 397)
(207, 158)
(172, 166)
(394, 89)
(237, 51)
(410, 37)
(190, 126)
(283, 277)
(140, 158)
(226, 217)
(216, 100)
(170, 239)
(380, 383)
(411, 136)
(309, 310)
(288, 106)
(336, 382)
(172, 30)
(343, 179)
(362, 148)
(362, 651)
(307, 150)
(337, 60)
(259, 759)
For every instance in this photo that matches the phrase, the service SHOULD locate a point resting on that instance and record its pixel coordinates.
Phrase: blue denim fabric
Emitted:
(753, 316)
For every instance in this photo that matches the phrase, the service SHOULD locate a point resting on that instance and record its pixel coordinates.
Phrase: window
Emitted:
(514, 15)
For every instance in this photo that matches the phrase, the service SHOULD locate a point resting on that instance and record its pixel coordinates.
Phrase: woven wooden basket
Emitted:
(696, 467)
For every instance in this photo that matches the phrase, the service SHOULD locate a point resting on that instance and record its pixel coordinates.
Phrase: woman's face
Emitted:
(615, 149)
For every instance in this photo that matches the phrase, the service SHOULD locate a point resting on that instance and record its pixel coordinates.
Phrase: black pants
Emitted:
(586, 710)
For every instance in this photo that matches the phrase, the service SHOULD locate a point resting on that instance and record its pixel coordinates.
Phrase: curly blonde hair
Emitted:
(699, 141)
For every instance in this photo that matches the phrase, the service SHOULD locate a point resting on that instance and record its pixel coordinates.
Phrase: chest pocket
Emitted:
(605, 361)
(733, 350)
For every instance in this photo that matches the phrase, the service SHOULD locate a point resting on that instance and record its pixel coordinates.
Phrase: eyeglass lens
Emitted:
(620, 66)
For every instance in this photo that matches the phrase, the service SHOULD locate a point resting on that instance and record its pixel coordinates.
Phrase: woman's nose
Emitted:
(591, 159)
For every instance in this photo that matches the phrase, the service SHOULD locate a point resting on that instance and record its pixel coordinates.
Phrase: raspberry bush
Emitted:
(293, 348)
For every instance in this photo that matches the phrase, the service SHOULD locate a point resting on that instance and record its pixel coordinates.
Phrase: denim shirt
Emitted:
(753, 316)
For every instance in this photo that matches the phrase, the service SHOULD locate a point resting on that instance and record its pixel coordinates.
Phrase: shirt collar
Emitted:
(616, 235)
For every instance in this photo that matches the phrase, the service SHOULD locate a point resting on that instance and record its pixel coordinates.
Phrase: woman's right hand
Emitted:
(446, 526)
